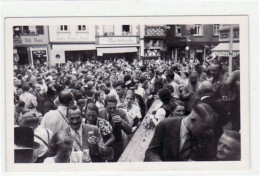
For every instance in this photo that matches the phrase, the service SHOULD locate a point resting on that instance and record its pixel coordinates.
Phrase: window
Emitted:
(126, 30)
(108, 30)
(178, 31)
(216, 29)
(198, 30)
(39, 30)
(82, 28)
(28, 30)
(63, 27)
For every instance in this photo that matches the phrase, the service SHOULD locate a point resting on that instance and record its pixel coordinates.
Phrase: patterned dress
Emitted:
(105, 128)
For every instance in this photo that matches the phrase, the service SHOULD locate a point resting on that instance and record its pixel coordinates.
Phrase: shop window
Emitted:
(109, 30)
(216, 29)
(178, 31)
(63, 27)
(82, 28)
(198, 30)
(126, 30)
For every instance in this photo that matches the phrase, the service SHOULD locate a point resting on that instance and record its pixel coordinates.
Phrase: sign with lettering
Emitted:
(118, 40)
(29, 40)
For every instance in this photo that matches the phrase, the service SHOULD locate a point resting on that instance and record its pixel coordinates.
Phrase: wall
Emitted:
(207, 36)
(72, 35)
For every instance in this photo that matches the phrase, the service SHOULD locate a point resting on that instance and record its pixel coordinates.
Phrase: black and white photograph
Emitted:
(127, 92)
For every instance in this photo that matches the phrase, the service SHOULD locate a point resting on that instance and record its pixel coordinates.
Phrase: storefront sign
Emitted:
(29, 40)
(199, 51)
(118, 40)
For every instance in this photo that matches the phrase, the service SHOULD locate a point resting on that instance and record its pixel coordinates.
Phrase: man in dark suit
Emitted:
(85, 136)
(118, 120)
(205, 93)
(173, 139)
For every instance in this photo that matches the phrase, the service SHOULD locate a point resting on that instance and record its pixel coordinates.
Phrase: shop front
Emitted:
(118, 47)
(30, 48)
(61, 53)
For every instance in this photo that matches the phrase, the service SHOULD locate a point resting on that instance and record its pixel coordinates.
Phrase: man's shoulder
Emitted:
(51, 113)
(169, 121)
(89, 127)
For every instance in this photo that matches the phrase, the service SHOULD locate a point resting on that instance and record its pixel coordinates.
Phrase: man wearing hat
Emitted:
(24, 145)
(41, 135)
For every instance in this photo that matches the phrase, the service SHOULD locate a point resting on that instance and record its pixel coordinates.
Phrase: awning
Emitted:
(101, 51)
(222, 50)
(74, 47)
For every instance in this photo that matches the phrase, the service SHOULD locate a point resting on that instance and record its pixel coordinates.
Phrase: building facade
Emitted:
(118, 41)
(191, 41)
(224, 47)
(30, 44)
(153, 42)
(72, 43)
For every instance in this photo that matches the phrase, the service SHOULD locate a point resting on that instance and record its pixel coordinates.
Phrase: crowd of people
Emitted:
(88, 112)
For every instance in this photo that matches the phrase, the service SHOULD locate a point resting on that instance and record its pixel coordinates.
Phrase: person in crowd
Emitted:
(174, 138)
(205, 92)
(100, 97)
(29, 77)
(82, 104)
(167, 107)
(170, 80)
(201, 75)
(190, 90)
(86, 136)
(229, 146)
(104, 127)
(120, 90)
(41, 135)
(61, 149)
(179, 109)
(118, 120)
(132, 109)
(49, 99)
(233, 98)
(19, 109)
(56, 120)
(29, 99)
(91, 115)
(38, 93)
(217, 79)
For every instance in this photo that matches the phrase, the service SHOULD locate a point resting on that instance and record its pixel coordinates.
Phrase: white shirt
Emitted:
(75, 157)
(202, 98)
(54, 121)
(175, 86)
(183, 134)
(42, 133)
(28, 99)
(73, 133)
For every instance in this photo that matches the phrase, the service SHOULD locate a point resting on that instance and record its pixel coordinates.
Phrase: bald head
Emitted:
(205, 89)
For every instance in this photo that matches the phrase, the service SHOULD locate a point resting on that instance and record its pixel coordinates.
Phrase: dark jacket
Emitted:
(165, 142)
